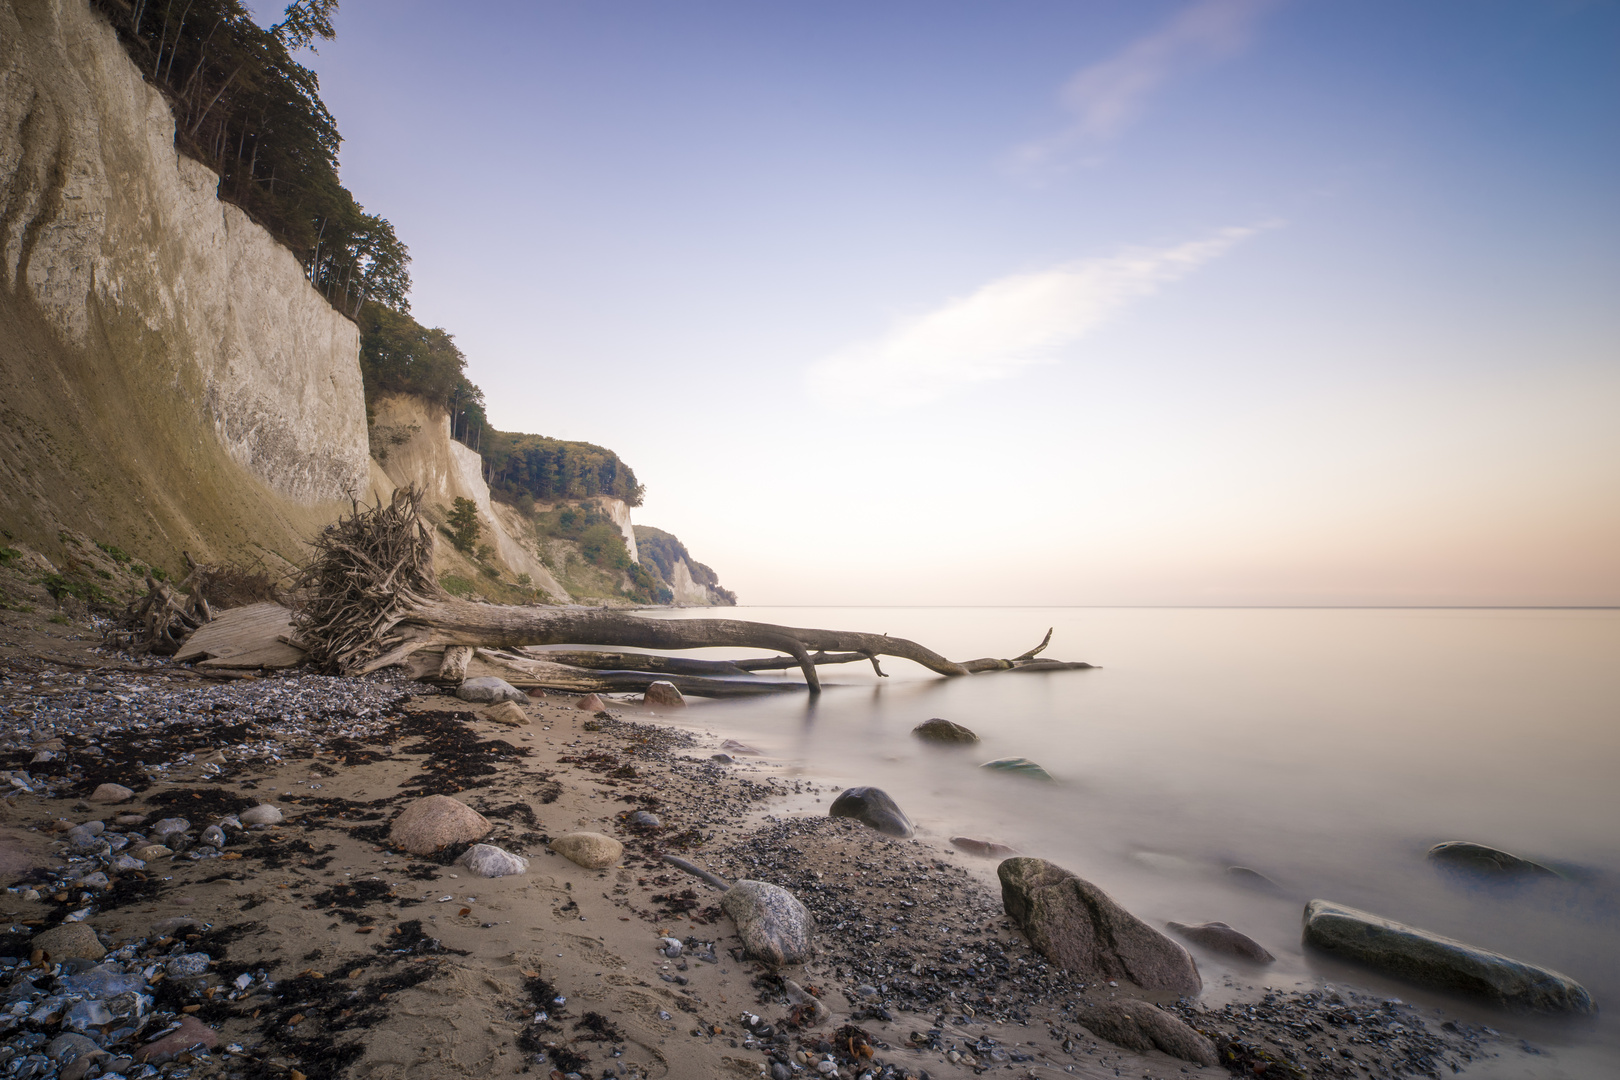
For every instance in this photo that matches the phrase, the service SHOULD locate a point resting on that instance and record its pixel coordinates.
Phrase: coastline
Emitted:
(346, 943)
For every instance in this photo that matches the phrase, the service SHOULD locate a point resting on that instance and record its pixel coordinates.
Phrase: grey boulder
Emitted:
(1080, 928)
(1141, 1026)
(943, 731)
(1486, 861)
(487, 860)
(487, 689)
(1441, 962)
(773, 925)
(872, 806)
(1218, 937)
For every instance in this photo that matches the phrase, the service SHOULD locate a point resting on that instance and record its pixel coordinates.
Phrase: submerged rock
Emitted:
(489, 689)
(988, 848)
(665, 693)
(1489, 861)
(732, 746)
(1077, 926)
(1142, 1026)
(591, 850)
(1253, 879)
(1018, 766)
(943, 731)
(872, 806)
(1441, 962)
(487, 860)
(435, 822)
(1218, 937)
(773, 925)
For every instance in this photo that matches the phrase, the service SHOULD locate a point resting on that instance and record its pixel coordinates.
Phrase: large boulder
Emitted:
(872, 806)
(664, 693)
(1218, 937)
(1077, 926)
(1442, 962)
(436, 822)
(591, 850)
(1486, 861)
(1141, 1026)
(70, 941)
(773, 925)
(943, 731)
(487, 689)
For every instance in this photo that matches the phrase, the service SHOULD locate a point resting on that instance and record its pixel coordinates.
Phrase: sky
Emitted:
(1207, 302)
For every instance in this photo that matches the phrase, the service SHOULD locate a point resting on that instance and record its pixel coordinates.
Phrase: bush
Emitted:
(489, 572)
(456, 585)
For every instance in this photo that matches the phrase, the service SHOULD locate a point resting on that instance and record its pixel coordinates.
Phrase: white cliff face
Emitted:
(445, 470)
(121, 246)
(619, 511)
(689, 593)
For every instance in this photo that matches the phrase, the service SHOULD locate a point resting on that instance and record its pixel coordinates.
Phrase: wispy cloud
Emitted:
(1105, 98)
(1005, 326)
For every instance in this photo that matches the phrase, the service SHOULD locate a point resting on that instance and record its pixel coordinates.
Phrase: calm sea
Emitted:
(1326, 748)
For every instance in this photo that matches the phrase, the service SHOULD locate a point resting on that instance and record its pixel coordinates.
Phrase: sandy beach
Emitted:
(313, 947)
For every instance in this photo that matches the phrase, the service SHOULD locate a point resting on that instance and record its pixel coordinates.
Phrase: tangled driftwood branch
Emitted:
(372, 602)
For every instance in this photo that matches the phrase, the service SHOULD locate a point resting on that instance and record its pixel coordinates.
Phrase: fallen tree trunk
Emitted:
(372, 602)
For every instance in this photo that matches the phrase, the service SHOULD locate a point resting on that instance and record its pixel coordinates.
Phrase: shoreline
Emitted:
(346, 943)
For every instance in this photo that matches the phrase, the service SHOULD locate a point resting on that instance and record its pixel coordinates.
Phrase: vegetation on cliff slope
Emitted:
(662, 551)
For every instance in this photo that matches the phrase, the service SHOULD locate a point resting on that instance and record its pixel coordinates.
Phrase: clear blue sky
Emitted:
(1080, 302)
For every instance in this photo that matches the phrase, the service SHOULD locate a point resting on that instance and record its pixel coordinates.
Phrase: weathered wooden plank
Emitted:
(249, 636)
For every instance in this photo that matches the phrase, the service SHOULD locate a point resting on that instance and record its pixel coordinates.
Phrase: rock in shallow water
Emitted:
(1077, 926)
(1487, 861)
(773, 925)
(943, 731)
(664, 693)
(872, 806)
(435, 822)
(487, 860)
(1218, 937)
(591, 850)
(1441, 962)
(988, 848)
(1018, 766)
(1141, 1026)
(488, 689)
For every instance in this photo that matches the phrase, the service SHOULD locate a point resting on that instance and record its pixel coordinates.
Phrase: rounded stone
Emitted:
(436, 822)
(872, 806)
(1018, 766)
(591, 850)
(508, 713)
(70, 941)
(591, 703)
(111, 793)
(1487, 861)
(489, 689)
(773, 925)
(487, 860)
(664, 693)
(263, 814)
(1218, 937)
(943, 731)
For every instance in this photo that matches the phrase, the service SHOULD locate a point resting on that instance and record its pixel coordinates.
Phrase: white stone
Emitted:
(487, 860)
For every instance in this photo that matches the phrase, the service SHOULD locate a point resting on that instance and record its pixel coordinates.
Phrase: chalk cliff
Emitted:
(168, 375)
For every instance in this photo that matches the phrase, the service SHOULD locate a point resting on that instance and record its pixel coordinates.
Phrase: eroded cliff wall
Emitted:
(169, 377)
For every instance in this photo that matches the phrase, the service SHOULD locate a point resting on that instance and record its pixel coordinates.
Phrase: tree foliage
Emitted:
(246, 109)
(464, 525)
(551, 469)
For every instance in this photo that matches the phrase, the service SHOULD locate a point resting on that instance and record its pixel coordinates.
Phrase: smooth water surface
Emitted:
(1326, 748)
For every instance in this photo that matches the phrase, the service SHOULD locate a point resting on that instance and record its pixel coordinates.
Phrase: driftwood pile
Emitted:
(162, 619)
(370, 601)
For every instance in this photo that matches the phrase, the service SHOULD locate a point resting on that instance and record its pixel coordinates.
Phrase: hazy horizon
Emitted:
(1209, 303)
